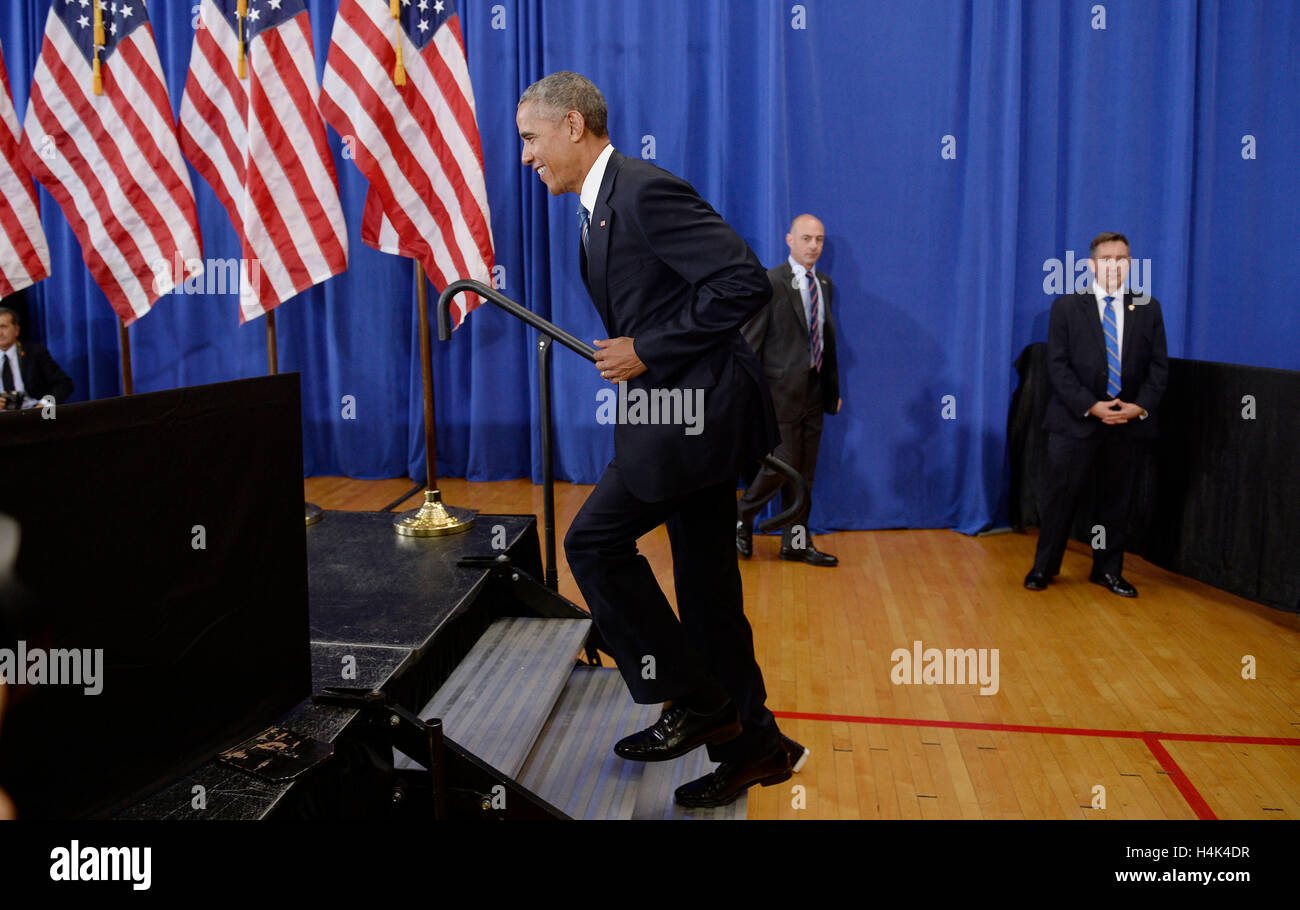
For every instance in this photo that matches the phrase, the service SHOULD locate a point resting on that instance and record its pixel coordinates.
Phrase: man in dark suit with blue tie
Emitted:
(1108, 367)
(672, 283)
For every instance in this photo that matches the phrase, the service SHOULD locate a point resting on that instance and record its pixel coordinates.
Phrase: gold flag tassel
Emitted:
(241, 68)
(98, 81)
(399, 71)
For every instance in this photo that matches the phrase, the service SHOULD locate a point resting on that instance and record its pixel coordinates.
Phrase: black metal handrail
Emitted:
(549, 331)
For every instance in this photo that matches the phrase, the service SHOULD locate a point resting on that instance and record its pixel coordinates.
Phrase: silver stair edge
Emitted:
(498, 699)
(573, 765)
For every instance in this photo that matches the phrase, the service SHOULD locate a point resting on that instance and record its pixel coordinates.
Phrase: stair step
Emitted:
(497, 700)
(573, 765)
(654, 798)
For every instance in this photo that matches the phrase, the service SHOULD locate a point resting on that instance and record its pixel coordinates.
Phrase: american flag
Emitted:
(24, 257)
(260, 142)
(111, 161)
(417, 143)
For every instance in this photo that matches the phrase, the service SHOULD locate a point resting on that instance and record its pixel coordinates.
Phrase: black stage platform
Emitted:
(470, 689)
(387, 612)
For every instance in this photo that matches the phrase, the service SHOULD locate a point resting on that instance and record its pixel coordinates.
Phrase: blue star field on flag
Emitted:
(262, 14)
(121, 18)
(423, 18)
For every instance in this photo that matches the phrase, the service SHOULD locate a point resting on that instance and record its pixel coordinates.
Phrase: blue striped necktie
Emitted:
(814, 321)
(1110, 323)
(585, 220)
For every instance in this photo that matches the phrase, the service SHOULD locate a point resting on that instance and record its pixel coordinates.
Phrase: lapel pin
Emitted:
(602, 223)
(1132, 307)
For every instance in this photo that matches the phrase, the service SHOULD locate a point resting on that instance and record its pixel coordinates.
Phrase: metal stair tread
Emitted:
(573, 765)
(499, 697)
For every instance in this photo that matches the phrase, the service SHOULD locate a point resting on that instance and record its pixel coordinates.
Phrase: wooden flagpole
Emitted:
(426, 377)
(272, 349)
(125, 340)
(312, 513)
(433, 519)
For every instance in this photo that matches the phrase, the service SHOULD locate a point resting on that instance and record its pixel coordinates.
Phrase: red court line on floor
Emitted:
(1211, 738)
(1030, 728)
(1151, 739)
(1181, 781)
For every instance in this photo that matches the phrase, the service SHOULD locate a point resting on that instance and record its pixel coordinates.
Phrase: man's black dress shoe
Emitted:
(679, 730)
(1115, 584)
(724, 784)
(744, 539)
(797, 753)
(810, 555)
(1036, 580)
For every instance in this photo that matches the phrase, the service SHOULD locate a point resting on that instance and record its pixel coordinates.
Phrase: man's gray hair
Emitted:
(563, 92)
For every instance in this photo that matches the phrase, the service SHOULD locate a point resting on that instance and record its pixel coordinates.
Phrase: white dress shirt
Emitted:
(12, 356)
(801, 281)
(1119, 318)
(1102, 306)
(591, 185)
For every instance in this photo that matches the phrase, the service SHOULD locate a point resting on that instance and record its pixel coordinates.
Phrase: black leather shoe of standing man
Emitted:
(724, 784)
(810, 555)
(679, 730)
(1115, 584)
(745, 539)
(1036, 580)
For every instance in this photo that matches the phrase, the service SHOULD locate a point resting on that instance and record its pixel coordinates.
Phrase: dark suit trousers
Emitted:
(1069, 460)
(800, 442)
(712, 646)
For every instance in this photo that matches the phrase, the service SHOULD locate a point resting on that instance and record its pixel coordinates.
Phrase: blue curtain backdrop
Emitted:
(953, 150)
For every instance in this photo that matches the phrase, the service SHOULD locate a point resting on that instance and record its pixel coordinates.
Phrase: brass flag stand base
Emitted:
(433, 519)
(313, 512)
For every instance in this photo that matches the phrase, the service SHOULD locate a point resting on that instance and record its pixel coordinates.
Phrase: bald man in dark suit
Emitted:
(794, 338)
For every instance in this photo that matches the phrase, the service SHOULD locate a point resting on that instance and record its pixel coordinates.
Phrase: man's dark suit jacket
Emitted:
(663, 268)
(1076, 364)
(778, 333)
(41, 375)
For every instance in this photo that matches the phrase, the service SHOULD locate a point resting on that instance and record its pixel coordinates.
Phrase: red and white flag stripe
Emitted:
(418, 144)
(112, 162)
(260, 142)
(24, 255)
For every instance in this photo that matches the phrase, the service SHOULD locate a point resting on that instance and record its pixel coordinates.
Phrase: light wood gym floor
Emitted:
(1142, 698)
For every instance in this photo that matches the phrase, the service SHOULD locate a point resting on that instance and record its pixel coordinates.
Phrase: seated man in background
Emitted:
(27, 371)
